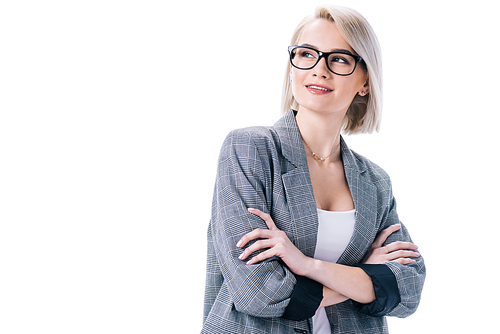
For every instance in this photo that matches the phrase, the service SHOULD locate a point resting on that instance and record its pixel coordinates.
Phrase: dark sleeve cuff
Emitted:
(386, 289)
(306, 297)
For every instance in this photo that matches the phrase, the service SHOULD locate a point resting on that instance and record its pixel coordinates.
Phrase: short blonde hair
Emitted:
(364, 113)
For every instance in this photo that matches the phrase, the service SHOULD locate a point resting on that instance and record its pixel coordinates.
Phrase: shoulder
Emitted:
(251, 139)
(251, 151)
(251, 133)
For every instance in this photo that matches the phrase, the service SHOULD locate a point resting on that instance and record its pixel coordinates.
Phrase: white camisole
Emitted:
(334, 233)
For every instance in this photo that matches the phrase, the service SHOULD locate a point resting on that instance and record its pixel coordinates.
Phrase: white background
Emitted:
(112, 114)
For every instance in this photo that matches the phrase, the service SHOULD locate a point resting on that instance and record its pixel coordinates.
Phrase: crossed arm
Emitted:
(339, 282)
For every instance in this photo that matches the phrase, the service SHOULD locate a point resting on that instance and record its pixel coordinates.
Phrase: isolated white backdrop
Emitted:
(112, 116)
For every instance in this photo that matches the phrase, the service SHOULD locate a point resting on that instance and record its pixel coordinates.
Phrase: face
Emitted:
(324, 36)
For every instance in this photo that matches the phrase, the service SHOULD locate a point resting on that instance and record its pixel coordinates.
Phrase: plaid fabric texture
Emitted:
(266, 168)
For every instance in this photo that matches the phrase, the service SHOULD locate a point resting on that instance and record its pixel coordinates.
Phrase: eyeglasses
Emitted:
(339, 62)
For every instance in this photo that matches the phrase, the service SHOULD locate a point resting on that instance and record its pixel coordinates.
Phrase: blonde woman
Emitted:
(304, 235)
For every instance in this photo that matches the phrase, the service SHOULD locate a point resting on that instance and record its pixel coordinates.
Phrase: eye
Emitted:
(306, 54)
(339, 59)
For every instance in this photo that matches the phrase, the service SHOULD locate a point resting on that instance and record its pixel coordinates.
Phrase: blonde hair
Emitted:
(364, 113)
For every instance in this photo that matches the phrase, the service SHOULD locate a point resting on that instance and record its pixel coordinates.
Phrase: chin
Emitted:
(320, 109)
(324, 108)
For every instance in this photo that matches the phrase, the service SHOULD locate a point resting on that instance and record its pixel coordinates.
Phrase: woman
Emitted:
(304, 236)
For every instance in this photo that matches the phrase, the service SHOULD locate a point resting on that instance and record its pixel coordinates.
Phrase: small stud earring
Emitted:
(362, 93)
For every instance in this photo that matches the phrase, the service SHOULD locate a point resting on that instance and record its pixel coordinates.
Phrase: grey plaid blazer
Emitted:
(266, 168)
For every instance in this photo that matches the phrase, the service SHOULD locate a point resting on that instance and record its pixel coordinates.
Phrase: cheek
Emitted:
(297, 78)
(349, 87)
(293, 84)
(293, 77)
(296, 91)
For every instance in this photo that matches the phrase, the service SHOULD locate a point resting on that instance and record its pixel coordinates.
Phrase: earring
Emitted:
(363, 93)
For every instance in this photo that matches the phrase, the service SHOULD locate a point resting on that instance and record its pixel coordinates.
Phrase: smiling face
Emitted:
(318, 89)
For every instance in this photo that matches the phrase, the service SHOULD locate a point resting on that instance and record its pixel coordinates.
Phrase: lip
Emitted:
(318, 89)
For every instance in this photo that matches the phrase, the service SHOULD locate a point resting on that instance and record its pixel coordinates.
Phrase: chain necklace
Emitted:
(317, 157)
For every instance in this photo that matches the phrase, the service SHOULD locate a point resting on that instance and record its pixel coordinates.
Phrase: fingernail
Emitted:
(241, 256)
(250, 209)
(249, 261)
(238, 244)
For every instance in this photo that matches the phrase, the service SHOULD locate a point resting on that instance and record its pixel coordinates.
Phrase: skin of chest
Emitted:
(330, 187)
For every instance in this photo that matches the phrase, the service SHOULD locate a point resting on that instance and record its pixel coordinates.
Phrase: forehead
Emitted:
(324, 35)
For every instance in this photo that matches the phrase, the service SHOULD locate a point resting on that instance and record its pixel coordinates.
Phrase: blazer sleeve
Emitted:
(410, 277)
(263, 289)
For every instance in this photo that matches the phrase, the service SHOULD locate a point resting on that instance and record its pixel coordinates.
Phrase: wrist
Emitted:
(311, 266)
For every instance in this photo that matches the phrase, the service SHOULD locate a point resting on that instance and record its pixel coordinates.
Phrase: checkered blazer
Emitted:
(266, 168)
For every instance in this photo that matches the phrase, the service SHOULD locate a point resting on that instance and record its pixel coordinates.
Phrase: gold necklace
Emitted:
(317, 157)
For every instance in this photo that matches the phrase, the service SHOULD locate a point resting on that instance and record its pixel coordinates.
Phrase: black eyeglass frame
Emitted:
(325, 55)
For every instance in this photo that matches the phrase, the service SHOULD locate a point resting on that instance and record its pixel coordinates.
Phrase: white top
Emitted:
(334, 233)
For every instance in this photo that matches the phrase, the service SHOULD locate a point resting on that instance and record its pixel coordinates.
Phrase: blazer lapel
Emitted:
(298, 187)
(364, 196)
(300, 198)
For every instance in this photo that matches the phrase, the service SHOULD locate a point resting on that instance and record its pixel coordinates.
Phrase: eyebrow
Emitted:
(333, 50)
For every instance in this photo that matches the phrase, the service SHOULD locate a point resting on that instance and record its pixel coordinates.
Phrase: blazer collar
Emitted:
(288, 132)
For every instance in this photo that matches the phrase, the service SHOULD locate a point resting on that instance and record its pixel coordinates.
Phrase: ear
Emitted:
(365, 89)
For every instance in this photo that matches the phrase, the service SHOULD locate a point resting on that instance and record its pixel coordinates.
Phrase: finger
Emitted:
(402, 254)
(404, 261)
(262, 256)
(257, 233)
(397, 245)
(266, 243)
(382, 237)
(265, 217)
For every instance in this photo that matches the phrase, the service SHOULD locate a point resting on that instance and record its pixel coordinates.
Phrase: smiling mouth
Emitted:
(320, 88)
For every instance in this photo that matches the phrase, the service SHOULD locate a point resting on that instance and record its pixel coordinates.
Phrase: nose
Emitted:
(321, 70)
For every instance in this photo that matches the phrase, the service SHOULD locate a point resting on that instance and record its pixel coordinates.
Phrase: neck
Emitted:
(321, 132)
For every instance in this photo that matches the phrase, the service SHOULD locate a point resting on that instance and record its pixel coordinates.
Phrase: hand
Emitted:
(278, 243)
(398, 251)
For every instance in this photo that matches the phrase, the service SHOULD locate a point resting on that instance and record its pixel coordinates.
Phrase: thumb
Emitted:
(265, 217)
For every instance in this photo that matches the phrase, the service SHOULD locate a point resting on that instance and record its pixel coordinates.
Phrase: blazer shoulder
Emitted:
(252, 132)
(376, 173)
(262, 138)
